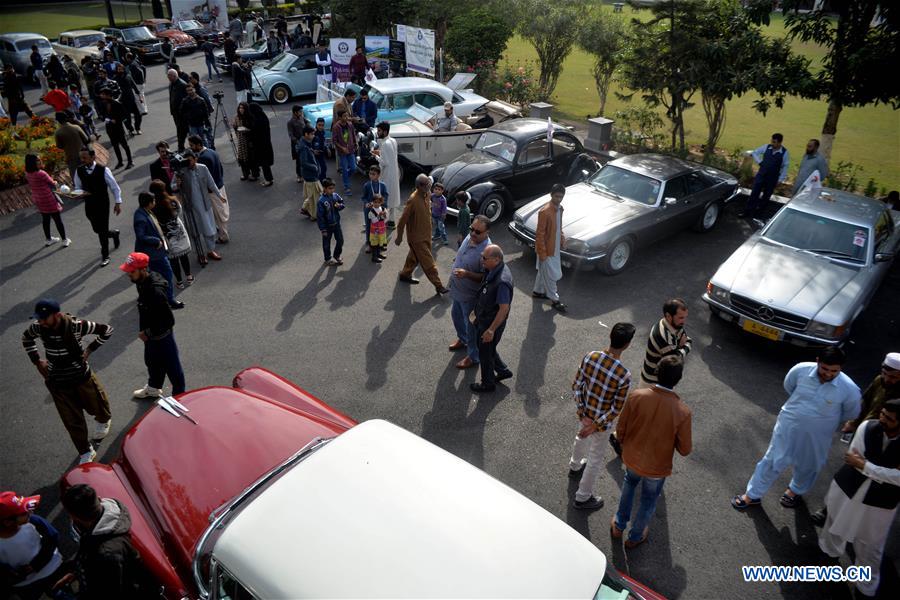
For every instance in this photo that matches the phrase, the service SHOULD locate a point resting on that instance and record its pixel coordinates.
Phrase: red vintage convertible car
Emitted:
(261, 490)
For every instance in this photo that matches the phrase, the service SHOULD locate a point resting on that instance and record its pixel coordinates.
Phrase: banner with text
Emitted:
(341, 51)
(377, 52)
(211, 13)
(419, 48)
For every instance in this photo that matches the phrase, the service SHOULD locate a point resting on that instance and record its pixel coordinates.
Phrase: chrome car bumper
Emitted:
(568, 259)
(778, 334)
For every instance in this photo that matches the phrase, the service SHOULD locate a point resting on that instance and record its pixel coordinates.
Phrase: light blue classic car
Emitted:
(395, 96)
(290, 74)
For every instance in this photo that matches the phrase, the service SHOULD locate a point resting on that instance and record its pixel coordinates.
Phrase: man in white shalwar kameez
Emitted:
(548, 241)
(863, 497)
(821, 399)
(386, 155)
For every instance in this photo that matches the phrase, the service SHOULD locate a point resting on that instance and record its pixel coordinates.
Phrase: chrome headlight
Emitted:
(577, 247)
(717, 293)
(825, 330)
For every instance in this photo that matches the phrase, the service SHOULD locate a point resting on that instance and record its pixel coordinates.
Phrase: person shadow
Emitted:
(450, 425)
(353, 283)
(384, 343)
(534, 352)
(20, 314)
(305, 299)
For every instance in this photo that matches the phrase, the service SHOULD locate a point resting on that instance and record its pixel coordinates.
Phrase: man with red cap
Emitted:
(156, 327)
(30, 562)
(73, 385)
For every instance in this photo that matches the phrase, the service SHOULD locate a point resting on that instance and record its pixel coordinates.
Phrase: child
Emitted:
(377, 217)
(372, 188)
(87, 117)
(438, 213)
(30, 562)
(320, 148)
(464, 218)
(75, 97)
(329, 217)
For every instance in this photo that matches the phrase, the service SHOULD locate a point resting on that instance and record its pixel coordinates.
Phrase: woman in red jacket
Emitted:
(44, 198)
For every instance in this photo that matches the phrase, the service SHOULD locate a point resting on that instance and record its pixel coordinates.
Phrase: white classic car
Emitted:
(79, 43)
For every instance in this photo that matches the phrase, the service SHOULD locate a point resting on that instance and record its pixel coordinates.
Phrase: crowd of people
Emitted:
(184, 209)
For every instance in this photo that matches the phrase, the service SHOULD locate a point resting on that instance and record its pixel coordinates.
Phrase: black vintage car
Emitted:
(512, 162)
(138, 40)
(256, 51)
(200, 32)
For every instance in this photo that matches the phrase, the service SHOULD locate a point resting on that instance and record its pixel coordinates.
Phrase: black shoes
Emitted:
(592, 503)
(409, 280)
(502, 375)
(129, 165)
(116, 241)
(441, 291)
(818, 518)
(559, 306)
(176, 305)
(480, 388)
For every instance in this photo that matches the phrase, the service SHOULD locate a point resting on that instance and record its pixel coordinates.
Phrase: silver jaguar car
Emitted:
(632, 201)
(808, 274)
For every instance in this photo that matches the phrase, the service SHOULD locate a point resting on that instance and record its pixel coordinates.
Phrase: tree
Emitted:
(656, 66)
(550, 28)
(604, 36)
(863, 51)
(733, 57)
(477, 35)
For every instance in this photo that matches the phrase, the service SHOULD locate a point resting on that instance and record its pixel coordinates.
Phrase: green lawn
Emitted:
(50, 19)
(868, 136)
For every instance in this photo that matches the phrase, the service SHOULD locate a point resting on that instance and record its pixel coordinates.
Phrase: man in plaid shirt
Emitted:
(601, 387)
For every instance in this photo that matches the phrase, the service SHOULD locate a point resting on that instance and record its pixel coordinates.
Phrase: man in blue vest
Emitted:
(773, 163)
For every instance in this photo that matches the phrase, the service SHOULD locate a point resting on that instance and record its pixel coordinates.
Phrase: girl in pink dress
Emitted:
(45, 200)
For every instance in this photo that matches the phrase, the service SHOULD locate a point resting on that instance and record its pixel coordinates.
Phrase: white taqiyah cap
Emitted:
(892, 360)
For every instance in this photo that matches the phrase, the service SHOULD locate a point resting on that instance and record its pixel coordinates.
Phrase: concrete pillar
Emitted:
(599, 134)
(540, 110)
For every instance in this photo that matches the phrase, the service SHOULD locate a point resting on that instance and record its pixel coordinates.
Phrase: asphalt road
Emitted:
(378, 349)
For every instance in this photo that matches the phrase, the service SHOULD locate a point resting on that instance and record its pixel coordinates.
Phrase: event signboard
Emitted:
(341, 51)
(419, 48)
(201, 10)
(377, 52)
(397, 55)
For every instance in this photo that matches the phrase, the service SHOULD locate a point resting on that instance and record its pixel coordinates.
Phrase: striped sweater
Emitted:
(65, 365)
(663, 341)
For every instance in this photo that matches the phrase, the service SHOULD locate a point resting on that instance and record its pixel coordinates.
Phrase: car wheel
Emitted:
(709, 218)
(619, 256)
(280, 94)
(493, 207)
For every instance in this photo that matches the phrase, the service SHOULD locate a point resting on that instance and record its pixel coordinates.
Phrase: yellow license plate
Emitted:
(760, 329)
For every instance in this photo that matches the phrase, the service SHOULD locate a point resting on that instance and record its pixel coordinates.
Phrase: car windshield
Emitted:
(190, 25)
(497, 145)
(89, 40)
(163, 26)
(374, 95)
(818, 234)
(136, 34)
(27, 44)
(282, 62)
(626, 185)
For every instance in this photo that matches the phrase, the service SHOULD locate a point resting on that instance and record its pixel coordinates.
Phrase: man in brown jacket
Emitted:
(416, 221)
(548, 240)
(70, 138)
(653, 425)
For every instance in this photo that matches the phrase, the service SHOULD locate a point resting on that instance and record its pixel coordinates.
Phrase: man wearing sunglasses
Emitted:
(884, 387)
(464, 284)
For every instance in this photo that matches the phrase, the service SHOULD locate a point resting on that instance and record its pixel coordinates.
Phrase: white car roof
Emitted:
(410, 84)
(381, 513)
(79, 32)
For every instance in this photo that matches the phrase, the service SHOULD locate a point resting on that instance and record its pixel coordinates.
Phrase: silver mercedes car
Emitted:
(632, 201)
(808, 274)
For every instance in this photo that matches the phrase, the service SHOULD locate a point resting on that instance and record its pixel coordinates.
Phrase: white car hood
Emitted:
(785, 279)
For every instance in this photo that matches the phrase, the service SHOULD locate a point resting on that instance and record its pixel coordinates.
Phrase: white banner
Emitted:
(419, 48)
(341, 51)
(201, 10)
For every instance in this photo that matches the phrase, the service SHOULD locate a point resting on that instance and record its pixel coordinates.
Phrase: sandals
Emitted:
(789, 501)
(738, 502)
(179, 285)
(189, 280)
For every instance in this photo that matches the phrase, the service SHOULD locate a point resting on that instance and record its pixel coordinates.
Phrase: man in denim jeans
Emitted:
(653, 425)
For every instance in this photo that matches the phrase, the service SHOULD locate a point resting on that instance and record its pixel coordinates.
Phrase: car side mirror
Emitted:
(669, 202)
(292, 70)
(469, 146)
(884, 256)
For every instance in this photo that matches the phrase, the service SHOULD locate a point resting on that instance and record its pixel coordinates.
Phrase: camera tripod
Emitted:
(220, 106)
